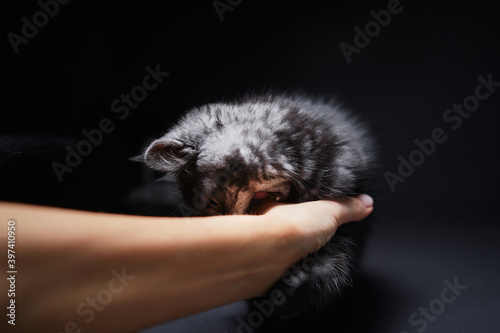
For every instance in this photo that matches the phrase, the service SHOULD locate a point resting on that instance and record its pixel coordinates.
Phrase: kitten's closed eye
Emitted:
(213, 203)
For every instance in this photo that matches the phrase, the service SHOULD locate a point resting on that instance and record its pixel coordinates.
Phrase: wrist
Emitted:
(290, 239)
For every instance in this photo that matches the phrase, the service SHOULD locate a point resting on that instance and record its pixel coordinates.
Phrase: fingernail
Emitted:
(367, 200)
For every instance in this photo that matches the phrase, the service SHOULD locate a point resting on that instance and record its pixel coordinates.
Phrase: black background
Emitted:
(440, 223)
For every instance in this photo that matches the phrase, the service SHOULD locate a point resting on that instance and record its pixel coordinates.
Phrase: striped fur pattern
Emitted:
(291, 148)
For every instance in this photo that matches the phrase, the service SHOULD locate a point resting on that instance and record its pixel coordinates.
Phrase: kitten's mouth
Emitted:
(277, 196)
(260, 199)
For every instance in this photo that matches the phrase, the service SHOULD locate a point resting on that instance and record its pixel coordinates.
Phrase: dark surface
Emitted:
(440, 223)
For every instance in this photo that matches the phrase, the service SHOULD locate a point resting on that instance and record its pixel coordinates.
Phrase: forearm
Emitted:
(169, 267)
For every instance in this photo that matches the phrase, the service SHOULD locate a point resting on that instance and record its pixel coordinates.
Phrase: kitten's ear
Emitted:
(168, 155)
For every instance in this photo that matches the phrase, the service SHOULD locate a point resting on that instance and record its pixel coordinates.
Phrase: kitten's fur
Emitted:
(294, 148)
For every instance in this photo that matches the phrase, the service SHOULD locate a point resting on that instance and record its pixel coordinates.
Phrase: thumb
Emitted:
(352, 208)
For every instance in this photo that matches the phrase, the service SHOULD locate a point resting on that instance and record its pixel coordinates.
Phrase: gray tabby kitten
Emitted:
(228, 156)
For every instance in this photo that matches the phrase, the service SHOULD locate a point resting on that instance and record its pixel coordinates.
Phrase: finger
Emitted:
(352, 208)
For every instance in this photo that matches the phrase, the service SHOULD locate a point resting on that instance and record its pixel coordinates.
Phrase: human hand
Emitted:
(317, 221)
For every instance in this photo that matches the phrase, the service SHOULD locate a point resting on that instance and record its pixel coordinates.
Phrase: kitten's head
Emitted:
(218, 170)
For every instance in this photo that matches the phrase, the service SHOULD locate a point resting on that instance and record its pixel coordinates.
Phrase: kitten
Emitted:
(226, 157)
